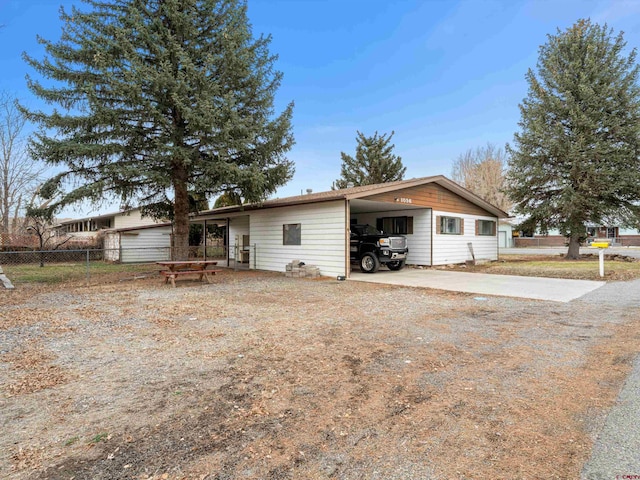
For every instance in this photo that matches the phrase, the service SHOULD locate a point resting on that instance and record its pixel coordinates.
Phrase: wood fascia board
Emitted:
(472, 197)
(392, 188)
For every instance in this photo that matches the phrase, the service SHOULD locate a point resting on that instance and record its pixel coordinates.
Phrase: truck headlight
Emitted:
(383, 242)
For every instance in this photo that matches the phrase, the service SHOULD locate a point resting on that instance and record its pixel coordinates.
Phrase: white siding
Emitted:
(145, 245)
(628, 231)
(453, 248)
(419, 242)
(322, 237)
(132, 219)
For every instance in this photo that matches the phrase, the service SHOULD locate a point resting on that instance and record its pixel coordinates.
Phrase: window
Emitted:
(291, 234)
(485, 227)
(450, 225)
(395, 225)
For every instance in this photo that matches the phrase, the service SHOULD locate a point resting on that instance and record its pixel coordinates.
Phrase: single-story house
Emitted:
(444, 224)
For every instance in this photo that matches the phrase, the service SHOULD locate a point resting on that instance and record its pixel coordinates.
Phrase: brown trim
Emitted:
(438, 224)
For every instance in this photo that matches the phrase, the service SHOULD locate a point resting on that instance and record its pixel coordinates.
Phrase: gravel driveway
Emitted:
(258, 376)
(616, 452)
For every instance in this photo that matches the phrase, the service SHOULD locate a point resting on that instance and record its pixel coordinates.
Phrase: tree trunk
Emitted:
(181, 215)
(574, 247)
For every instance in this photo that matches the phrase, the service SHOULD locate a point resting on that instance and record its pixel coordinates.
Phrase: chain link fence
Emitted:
(118, 255)
(56, 265)
(59, 265)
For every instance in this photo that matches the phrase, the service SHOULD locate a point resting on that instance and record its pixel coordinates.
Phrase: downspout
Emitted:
(347, 235)
(433, 227)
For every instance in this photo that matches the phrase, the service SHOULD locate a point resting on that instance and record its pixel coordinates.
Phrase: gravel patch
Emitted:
(259, 376)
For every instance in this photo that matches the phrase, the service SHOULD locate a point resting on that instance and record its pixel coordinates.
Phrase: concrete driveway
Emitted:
(539, 288)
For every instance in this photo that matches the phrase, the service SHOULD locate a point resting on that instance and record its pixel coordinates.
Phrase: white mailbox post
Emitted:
(601, 246)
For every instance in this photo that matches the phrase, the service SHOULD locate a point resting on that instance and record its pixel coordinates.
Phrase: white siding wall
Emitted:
(112, 246)
(238, 226)
(322, 237)
(419, 242)
(628, 231)
(132, 219)
(146, 245)
(453, 248)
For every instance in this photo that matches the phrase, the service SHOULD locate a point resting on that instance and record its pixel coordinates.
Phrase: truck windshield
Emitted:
(366, 230)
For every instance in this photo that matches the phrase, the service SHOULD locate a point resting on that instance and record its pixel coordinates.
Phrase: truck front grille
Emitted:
(397, 243)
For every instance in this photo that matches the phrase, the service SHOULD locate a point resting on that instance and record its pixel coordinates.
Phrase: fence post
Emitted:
(87, 265)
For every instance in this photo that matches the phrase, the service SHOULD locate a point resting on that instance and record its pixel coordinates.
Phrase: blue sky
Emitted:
(446, 76)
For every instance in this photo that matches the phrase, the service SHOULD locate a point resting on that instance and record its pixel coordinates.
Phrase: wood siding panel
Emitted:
(432, 196)
(450, 249)
(419, 242)
(322, 237)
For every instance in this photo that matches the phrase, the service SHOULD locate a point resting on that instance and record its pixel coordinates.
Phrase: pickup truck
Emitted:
(370, 248)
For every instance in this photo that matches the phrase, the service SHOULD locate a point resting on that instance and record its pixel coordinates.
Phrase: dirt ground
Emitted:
(258, 376)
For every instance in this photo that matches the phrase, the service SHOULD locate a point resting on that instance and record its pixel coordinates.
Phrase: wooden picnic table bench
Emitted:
(188, 267)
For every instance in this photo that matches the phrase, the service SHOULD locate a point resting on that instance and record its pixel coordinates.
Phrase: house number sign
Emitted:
(403, 200)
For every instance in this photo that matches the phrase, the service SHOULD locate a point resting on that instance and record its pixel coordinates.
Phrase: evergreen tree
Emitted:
(374, 163)
(575, 159)
(159, 98)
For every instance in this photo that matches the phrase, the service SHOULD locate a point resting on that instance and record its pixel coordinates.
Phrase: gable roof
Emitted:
(361, 192)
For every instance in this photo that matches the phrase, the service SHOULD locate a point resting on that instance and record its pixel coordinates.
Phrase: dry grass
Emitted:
(556, 266)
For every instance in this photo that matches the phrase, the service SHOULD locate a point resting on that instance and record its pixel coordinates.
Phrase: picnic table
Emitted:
(177, 268)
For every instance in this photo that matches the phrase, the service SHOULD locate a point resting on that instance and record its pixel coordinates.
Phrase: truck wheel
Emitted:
(397, 265)
(369, 263)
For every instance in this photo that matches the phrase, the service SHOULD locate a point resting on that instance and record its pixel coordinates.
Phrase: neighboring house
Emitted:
(443, 223)
(619, 236)
(90, 226)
